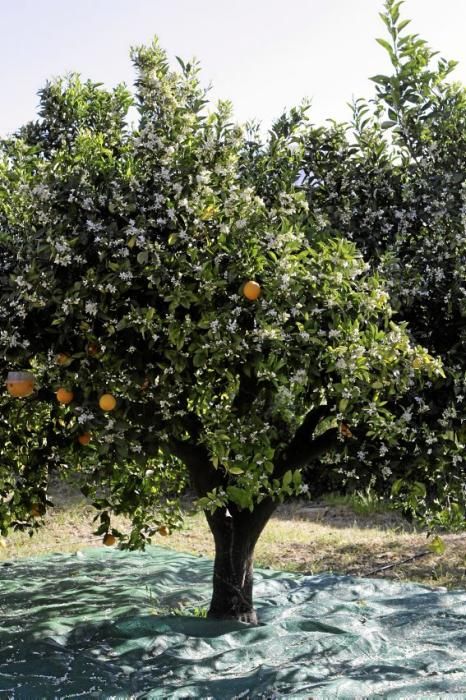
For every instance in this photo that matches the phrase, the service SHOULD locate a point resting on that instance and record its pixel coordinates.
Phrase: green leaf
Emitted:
(404, 23)
(395, 11)
(386, 45)
(418, 490)
(239, 496)
(380, 79)
(287, 478)
(397, 486)
(235, 470)
(181, 62)
(437, 546)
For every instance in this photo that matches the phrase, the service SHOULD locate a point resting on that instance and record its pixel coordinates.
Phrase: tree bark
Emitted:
(236, 530)
(235, 534)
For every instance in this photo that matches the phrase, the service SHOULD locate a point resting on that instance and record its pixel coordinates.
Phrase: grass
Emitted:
(295, 541)
(343, 535)
(360, 502)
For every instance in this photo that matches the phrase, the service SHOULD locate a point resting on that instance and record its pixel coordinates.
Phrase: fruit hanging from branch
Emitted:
(20, 384)
(93, 349)
(252, 290)
(64, 396)
(107, 402)
(345, 431)
(63, 359)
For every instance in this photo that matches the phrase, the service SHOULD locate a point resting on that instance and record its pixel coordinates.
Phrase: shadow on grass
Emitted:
(342, 516)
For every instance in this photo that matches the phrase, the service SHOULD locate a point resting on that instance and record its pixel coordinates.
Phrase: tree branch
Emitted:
(247, 391)
(204, 476)
(304, 448)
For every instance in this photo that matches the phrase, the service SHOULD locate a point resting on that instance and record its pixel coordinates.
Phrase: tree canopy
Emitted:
(190, 312)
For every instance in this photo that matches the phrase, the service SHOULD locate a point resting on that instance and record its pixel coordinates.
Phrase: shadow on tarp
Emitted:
(95, 625)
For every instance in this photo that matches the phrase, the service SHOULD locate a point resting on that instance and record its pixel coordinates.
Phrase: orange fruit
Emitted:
(252, 290)
(64, 396)
(20, 389)
(19, 384)
(37, 510)
(84, 438)
(92, 349)
(63, 359)
(344, 430)
(107, 402)
(163, 530)
(109, 539)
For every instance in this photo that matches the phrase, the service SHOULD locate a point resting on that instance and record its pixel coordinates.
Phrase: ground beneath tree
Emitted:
(107, 623)
(303, 537)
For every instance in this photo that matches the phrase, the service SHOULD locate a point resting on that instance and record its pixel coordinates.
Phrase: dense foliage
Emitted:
(394, 182)
(126, 251)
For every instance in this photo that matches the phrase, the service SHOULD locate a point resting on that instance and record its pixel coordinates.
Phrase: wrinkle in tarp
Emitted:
(100, 624)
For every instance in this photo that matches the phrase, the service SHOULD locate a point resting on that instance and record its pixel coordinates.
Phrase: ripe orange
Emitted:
(63, 359)
(252, 290)
(64, 396)
(163, 530)
(107, 402)
(37, 510)
(20, 384)
(84, 438)
(109, 539)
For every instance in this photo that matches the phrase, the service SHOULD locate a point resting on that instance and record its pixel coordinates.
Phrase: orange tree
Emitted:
(199, 327)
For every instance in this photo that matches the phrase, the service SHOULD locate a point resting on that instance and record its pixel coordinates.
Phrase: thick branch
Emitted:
(204, 476)
(304, 447)
(193, 425)
(247, 391)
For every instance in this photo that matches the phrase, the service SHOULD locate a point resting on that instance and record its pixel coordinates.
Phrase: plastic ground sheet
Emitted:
(101, 624)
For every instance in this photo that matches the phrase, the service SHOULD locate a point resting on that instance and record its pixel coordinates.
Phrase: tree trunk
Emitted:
(235, 534)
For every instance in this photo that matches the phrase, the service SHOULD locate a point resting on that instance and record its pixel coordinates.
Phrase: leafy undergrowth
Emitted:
(301, 537)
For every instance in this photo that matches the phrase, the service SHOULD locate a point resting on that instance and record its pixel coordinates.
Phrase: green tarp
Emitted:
(99, 625)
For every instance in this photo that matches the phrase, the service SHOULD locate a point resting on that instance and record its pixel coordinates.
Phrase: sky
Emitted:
(264, 55)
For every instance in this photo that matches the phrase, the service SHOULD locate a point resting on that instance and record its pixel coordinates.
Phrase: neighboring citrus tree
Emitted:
(394, 183)
(184, 316)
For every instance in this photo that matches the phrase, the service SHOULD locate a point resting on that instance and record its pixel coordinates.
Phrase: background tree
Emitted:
(133, 260)
(393, 182)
